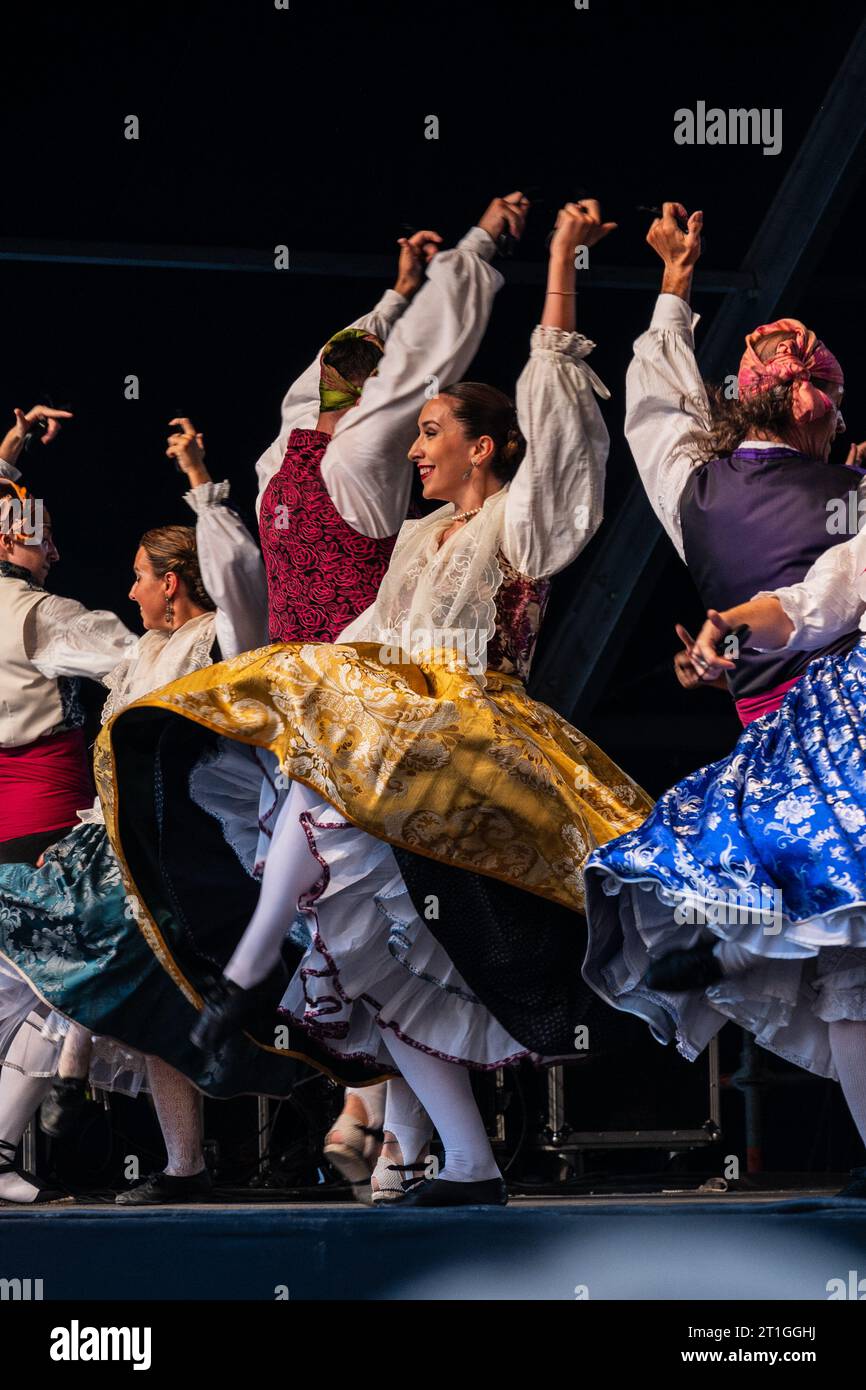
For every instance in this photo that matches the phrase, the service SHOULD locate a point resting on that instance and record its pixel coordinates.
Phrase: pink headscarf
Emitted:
(795, 359)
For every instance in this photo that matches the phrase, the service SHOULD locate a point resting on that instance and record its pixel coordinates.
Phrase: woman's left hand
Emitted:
(187, 450)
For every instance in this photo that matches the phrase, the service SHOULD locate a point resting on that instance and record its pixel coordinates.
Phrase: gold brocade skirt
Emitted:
(470, 773)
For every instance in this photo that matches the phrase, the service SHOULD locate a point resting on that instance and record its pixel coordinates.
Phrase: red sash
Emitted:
(43, 784)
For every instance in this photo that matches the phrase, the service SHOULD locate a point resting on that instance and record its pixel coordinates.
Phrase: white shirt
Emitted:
(429, 344)
(65, 638)
(666, 404)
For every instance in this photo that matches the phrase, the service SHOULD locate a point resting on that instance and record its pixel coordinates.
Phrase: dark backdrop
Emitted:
(305, 127)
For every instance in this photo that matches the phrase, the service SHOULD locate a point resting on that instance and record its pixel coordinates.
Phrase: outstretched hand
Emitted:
(684, 667)
(416, 253)
(26, 422)
(676, 238)
(187, 450)
(706, 660)
(578, 224)
(668, 240)
(506, 215)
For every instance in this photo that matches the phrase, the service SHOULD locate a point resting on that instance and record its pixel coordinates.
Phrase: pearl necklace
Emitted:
(464, 516)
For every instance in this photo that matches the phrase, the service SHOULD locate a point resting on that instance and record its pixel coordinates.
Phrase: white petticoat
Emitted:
(372, 962)
(113, 1067)
(370, 959)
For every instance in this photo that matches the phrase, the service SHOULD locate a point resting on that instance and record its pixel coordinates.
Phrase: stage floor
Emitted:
(788, 1245)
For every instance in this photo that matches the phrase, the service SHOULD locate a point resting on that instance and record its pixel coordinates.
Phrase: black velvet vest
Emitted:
(759, 520)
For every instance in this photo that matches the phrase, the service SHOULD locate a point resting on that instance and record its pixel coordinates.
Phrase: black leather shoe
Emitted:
(62, 1106)
(161, 1189)
(8, 1151)
(857, 1186)
(438, 1192)
(679, 971)
(229, 1008)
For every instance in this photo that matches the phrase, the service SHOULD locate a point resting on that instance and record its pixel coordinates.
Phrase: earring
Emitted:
(469, 472)
(169, 611)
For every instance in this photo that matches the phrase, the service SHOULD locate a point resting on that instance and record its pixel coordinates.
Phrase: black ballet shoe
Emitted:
(161, 1189)
(8, 1151)
(679, 971)
(229, 1008)
(857, 1186)
(62, 1106)
(439, 1192)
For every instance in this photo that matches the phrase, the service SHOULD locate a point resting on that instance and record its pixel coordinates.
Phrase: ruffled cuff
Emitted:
(479, 241)
(207, 495)
(391, 305)
(796, 606)
(552, 342)
(8, 470)
(673, 312)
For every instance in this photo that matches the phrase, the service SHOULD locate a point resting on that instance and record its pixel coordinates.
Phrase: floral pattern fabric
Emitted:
(416, 754)
(321, 572)
(765, 849)
(520, 605)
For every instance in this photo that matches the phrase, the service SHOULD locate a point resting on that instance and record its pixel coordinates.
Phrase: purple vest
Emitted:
(759, 520)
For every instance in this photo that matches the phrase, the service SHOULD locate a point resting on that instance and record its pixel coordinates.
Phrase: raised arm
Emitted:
(666, 402)
(364, 468)
(43, 419)
(229, 559)
(554, 503)
(300, 406)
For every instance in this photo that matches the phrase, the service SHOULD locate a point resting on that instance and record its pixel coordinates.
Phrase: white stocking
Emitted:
(21, 1095)
(445, 1091)
(406, 1119)
(290, 870)
(848, 1046)
(178, 1108)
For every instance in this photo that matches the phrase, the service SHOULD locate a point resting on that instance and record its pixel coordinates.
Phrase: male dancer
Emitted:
(46, 644)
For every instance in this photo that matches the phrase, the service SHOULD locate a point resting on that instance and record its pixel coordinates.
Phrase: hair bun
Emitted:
(512, 441)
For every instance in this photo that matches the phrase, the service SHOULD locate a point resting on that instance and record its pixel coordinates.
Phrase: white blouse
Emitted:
(830, 600)
(67, 639)
(666, 404)
(428, 344)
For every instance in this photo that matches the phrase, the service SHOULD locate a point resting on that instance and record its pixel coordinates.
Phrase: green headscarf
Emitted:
(335, 392)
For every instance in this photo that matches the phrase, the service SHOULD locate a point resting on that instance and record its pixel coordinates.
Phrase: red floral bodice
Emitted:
(520, 605)
(321, 572)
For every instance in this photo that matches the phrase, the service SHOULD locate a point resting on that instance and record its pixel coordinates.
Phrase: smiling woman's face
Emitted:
(442, 453)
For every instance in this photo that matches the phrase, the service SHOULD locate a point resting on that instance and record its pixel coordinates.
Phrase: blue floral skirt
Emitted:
(765, 849)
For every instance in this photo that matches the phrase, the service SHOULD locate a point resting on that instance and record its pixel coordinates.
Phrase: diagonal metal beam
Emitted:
(576, 664)
(333, 264)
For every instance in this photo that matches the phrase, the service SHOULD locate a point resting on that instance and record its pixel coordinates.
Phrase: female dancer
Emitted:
(414, 731)
(334, 488)
(188, 619)
(743, 895)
